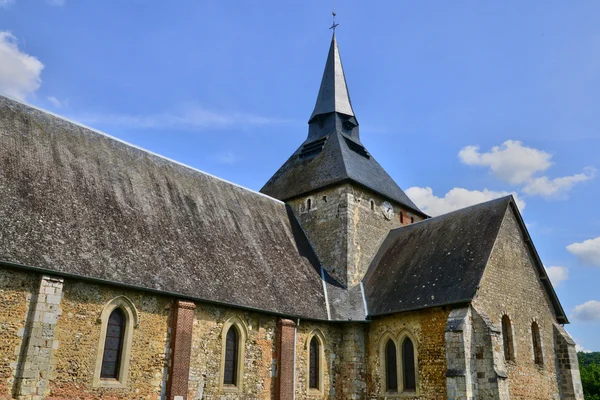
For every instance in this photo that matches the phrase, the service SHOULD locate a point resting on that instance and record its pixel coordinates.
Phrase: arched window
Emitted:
(372, 205)
(113, 345)
(408, 365)
(118, 320)
(308, 204)
(231, 357)
(507, 339)
(391, 367)
(412, 220)
(233, 346)
(537, 344)
(401, 217)
(313, 369)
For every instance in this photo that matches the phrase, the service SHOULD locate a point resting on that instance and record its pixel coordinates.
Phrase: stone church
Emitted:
(125, 275)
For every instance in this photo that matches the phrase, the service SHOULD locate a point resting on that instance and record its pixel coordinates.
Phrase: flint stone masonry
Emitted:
(37, 366)
(511, 285)
(428, 328)
(345, 231)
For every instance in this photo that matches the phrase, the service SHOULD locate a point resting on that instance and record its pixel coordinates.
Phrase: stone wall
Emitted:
(78, 334)
(205, 363)
(511, 286)
(428, 328)
(16, 290)
(346, 224)
(331, 336)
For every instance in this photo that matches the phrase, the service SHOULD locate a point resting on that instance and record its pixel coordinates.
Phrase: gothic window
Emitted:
(507, 339)
(118, 320)
(391, 367)
(231, 357)
(113, 345)
(233, 345)
(408, 365)
(537, 344)
(313, 369)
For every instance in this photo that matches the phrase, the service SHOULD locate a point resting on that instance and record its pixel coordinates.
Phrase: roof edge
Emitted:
(100, 281)
(449, 303)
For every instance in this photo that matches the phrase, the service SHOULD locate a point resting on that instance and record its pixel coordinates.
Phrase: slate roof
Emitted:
(336, 163)
(78, 202)
(440, 261)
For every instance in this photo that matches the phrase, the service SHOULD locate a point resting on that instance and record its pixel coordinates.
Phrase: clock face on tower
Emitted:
(387, 210)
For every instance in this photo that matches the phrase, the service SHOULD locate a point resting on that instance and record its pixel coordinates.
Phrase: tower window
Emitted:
(412, 220)
(372, 205)
(113, 345)
(537, 344)
(391, 368)
(507, 339)
(308, 204)
(401, 217)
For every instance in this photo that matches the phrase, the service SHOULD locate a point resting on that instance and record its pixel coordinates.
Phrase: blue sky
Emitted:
(459, 102)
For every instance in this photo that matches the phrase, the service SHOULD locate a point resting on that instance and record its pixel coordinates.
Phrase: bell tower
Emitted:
(343, 198)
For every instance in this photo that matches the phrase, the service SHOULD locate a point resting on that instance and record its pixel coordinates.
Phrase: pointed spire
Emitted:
(333, 94)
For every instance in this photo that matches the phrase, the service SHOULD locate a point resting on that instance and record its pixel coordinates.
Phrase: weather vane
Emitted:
(334, 24)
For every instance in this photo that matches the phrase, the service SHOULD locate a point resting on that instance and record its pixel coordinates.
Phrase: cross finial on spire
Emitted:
(334, 24)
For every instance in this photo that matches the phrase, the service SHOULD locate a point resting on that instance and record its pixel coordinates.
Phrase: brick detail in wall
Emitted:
(284, 382)
(36, 365)
(182, 322)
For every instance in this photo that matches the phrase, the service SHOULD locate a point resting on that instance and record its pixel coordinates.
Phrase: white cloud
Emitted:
(555, 187)
(580, 348)
(557, 275)
(189, 116)
(6, 3)
(511, 162)
(19, 72)
(455, 199)
(588, 311)
(517, 164)
(56, 103)
(587, 252)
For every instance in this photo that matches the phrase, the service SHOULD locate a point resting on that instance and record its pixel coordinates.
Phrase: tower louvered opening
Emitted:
(357, 148)
(313, 148)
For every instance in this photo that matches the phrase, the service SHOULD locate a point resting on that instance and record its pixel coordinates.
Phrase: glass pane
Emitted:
(314, 364)
(231, 354)
(408, 366)
(391, 371)
(113, 345)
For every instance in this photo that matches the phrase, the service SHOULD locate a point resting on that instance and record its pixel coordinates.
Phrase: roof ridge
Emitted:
(99, 132)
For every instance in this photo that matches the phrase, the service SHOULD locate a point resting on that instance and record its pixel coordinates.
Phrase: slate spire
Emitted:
(333, 94)
(333, 152)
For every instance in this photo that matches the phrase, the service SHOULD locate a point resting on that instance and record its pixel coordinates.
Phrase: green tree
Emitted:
(589, 367)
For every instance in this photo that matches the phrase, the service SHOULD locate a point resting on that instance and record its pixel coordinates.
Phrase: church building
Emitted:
(126, 275)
